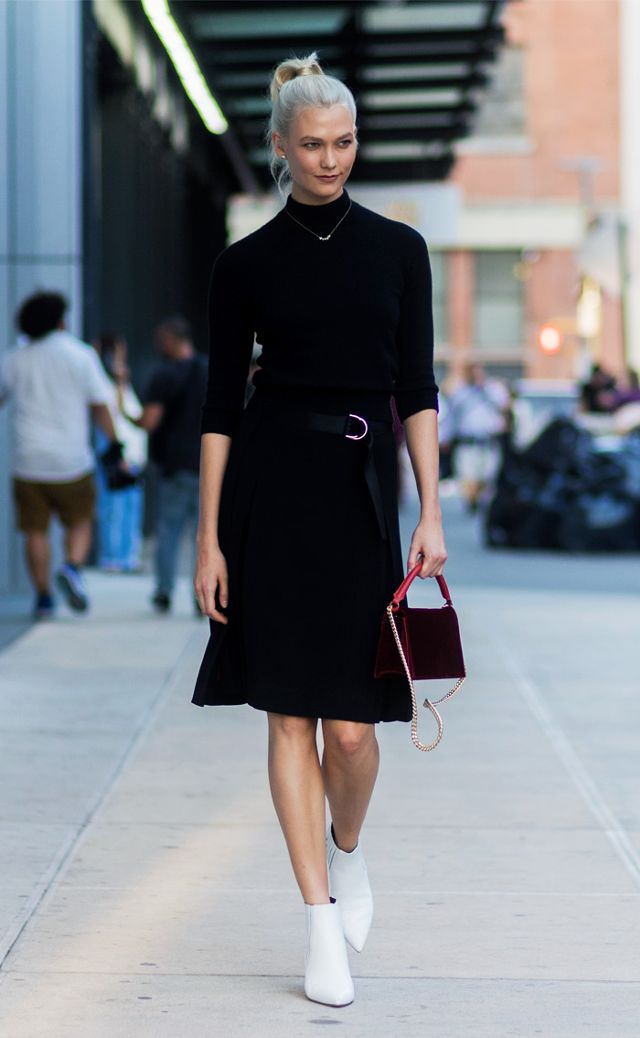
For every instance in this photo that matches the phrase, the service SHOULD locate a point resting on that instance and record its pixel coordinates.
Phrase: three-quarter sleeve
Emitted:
(231, 335)
(415, 386)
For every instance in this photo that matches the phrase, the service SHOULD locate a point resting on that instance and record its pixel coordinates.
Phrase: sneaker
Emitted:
(44, 607)
(71, 583)
(161, 602)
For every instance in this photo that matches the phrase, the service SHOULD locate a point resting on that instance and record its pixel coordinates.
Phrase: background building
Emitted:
(506, 132)
(543, 162)
(111, 189)
(531, 226)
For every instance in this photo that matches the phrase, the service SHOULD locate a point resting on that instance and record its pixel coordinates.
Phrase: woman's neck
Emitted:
(304, 197)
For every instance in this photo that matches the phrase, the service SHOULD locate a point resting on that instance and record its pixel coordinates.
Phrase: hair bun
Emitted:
(291, 69)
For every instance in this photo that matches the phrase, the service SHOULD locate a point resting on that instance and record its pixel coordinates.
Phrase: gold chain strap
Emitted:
(414, 706)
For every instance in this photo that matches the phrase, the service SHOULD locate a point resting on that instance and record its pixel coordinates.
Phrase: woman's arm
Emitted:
(421, 430)
(416, 396)
(231, 335)
(211, 567)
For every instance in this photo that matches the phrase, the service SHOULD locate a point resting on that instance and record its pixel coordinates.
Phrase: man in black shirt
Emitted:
(172, 411)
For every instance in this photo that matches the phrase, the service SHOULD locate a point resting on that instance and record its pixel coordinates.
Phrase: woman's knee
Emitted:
(299, 729)
(348, 738)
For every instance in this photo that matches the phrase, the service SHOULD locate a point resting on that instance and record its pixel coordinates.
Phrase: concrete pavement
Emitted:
(146, 889)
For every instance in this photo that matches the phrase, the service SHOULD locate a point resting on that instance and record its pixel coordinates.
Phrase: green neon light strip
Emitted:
(190, 73)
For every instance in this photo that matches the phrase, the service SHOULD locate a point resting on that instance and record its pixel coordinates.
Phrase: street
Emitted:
(146, 889)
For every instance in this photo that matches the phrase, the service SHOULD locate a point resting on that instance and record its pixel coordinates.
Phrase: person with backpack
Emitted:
(119, 510)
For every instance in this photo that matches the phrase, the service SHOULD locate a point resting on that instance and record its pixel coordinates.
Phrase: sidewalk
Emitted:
(146, 891)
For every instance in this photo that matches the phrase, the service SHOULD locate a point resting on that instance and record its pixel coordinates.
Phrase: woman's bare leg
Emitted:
(350, 767)
(297, 789)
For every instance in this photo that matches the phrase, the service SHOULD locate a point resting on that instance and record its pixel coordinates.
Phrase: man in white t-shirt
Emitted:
(475, 421)
(57, 384)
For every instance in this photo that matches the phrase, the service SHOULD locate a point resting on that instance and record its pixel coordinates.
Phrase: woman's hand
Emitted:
(428, 542)
(211, 577)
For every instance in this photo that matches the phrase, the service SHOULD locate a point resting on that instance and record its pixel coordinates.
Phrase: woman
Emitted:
(120, 511)
(298, 541)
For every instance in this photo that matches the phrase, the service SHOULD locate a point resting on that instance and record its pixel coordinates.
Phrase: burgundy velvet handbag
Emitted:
(421, 643)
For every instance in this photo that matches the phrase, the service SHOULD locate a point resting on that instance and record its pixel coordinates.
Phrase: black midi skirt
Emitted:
(313, 560)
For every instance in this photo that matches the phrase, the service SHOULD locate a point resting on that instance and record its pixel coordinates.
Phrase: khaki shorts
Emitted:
(476, 462)
(72, 502)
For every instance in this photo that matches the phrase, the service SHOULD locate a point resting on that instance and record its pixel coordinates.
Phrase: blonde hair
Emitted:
(299, 83)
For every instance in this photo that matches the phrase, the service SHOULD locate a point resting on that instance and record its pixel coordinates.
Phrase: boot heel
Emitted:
(327, 978)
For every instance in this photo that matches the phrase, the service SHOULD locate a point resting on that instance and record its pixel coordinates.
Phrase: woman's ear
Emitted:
(278, 145)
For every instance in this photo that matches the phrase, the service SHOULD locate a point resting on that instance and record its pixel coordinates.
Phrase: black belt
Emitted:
(352, 427)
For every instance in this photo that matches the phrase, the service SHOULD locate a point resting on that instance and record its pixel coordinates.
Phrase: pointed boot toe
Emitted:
(349, 884)
(327, 978)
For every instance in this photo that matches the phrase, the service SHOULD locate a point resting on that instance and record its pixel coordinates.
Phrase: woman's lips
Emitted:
(334, 176)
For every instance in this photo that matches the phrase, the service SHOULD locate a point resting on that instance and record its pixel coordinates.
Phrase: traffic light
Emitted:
(550, 338)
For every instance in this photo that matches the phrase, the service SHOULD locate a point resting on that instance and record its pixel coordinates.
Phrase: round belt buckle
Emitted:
(360, 436)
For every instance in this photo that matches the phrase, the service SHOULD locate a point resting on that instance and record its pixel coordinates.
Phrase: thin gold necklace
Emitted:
(320, 237)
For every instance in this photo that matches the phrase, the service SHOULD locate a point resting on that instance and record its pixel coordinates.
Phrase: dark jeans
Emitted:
(177, 508)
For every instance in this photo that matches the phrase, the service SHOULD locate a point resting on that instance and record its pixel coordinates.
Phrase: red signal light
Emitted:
(549, 338)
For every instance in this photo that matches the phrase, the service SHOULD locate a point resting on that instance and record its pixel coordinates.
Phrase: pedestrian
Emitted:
(171, 414)
(598, 394)
(298, 540)
(57, 384)
(473, 429)
(120, 510)
(627, 391)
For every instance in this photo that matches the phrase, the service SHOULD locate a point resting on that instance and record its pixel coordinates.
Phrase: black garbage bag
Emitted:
(511, 501)
(629, 460)
(561, 446)
(526, 507)
(598, 472)
(602, 521)
(562, 493)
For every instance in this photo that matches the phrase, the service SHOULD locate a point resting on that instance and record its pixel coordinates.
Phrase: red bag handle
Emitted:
(401, 592)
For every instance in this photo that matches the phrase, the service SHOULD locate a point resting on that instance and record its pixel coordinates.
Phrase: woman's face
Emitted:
(320, 150)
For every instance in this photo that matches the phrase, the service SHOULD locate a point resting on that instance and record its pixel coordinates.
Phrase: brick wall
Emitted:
(569, 51)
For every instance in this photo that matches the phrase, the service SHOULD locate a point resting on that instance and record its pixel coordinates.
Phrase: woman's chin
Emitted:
(325, 190)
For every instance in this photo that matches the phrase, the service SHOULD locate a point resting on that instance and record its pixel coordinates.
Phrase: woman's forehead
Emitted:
(323, 121)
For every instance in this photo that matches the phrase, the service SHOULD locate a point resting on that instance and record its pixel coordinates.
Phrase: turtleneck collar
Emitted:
(319, 218)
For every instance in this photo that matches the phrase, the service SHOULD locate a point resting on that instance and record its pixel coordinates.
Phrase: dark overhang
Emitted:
(417, 70)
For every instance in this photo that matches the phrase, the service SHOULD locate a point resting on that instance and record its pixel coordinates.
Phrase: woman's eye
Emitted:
(311, 144)
(345, 143)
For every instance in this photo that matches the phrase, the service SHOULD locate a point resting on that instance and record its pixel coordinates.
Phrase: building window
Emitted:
(498, 306)
(440, 309)
(502, 113)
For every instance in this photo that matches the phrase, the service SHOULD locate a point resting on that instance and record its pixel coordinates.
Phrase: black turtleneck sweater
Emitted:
(352, 313)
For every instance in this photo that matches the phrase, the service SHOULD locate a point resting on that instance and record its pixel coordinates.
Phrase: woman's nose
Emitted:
(328, 160)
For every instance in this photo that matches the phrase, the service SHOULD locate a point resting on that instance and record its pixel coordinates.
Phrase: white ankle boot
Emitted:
(349, 884)
(326, 977)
